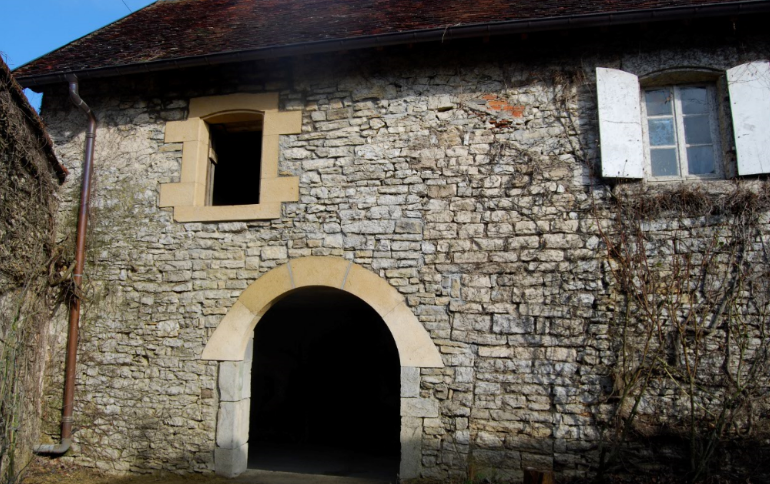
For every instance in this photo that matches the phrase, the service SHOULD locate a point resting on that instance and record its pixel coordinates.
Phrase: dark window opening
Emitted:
(325, 388)
(234, 163)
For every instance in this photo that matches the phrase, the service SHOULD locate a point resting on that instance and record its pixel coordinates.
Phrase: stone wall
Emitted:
(462, 174)
(28, 205)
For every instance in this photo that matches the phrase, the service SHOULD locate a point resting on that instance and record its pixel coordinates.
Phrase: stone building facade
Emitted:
(456, 189)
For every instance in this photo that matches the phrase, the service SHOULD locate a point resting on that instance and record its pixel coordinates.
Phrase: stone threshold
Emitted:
(256, 476)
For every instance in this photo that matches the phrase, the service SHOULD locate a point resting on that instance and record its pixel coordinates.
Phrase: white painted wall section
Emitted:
(749, 86)
(620, 124)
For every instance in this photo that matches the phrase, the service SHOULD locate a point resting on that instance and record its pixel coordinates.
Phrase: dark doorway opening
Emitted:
(325, 388)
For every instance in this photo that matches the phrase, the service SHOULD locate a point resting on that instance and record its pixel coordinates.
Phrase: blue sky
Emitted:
(32, 28)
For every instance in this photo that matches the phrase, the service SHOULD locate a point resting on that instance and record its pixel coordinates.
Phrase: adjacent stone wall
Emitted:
(462, 174)
(28, 205)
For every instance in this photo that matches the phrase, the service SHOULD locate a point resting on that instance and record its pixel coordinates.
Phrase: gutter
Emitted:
(417, 36)
(77, 277)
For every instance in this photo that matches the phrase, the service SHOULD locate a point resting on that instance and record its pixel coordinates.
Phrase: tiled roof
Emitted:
(183, 29)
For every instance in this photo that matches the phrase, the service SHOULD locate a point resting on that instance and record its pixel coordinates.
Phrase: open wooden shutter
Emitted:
(620, 124)
(749, 86)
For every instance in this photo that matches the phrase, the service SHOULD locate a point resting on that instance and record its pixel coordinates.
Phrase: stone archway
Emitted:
(231, 344)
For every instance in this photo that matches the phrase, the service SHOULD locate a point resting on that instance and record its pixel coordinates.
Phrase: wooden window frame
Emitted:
(681, 146)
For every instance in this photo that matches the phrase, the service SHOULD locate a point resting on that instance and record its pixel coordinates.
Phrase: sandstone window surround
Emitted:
(190, 198)
(627, 150)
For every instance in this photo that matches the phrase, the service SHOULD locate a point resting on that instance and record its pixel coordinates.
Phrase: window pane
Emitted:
(658, 102)
(700, 160)
(662, 132)
(664, 162)
(697, 130)
(694, 100)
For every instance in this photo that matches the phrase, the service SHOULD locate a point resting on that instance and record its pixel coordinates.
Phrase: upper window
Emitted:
(234, 160)
(681, 132)
(672, 132)
(230, 154)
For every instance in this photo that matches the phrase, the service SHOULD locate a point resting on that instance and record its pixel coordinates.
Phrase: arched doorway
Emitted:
(231, 345)
(325, 387)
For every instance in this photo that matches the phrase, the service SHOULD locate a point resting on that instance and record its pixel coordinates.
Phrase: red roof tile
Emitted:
(179, 29)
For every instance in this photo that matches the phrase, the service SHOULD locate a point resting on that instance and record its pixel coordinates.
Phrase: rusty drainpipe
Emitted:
(77, 277)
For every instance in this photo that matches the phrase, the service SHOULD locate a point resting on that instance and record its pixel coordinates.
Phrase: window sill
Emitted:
(711, 186)
(182, 196)
(687, 179)
(228, 213)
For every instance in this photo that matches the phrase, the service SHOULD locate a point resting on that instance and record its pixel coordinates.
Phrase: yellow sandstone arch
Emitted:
(228, 343)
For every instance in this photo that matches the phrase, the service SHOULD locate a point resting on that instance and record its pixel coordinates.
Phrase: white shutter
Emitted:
(620, 124)
(749, 86)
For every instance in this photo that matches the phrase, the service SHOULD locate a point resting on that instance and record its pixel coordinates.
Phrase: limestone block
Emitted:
(195, 162)
(248, 356)
(419, 407)
(283, 122)
(440, 103)
(442, 191)
(410, 381)
(233, 424)
(408, 226)
(411, 447)
(259, 295)
(233, 327)
(319, 271)
(234, 381)
(274, 252)
(511, 324)
(192, 129)
(176, 194)
(370, 287)
(414, 344)
(369, 227)
(222, 213)
(270, 154)
(488, 440)
(464, 375)
(203, 106)
(284, 189)
(231, 462)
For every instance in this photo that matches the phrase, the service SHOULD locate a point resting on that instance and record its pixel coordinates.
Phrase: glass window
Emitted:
(680, 130)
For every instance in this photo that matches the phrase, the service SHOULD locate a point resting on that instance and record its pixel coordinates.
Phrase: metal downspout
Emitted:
(77, 277)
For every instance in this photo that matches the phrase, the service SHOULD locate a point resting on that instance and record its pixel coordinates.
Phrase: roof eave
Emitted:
(415, 36)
